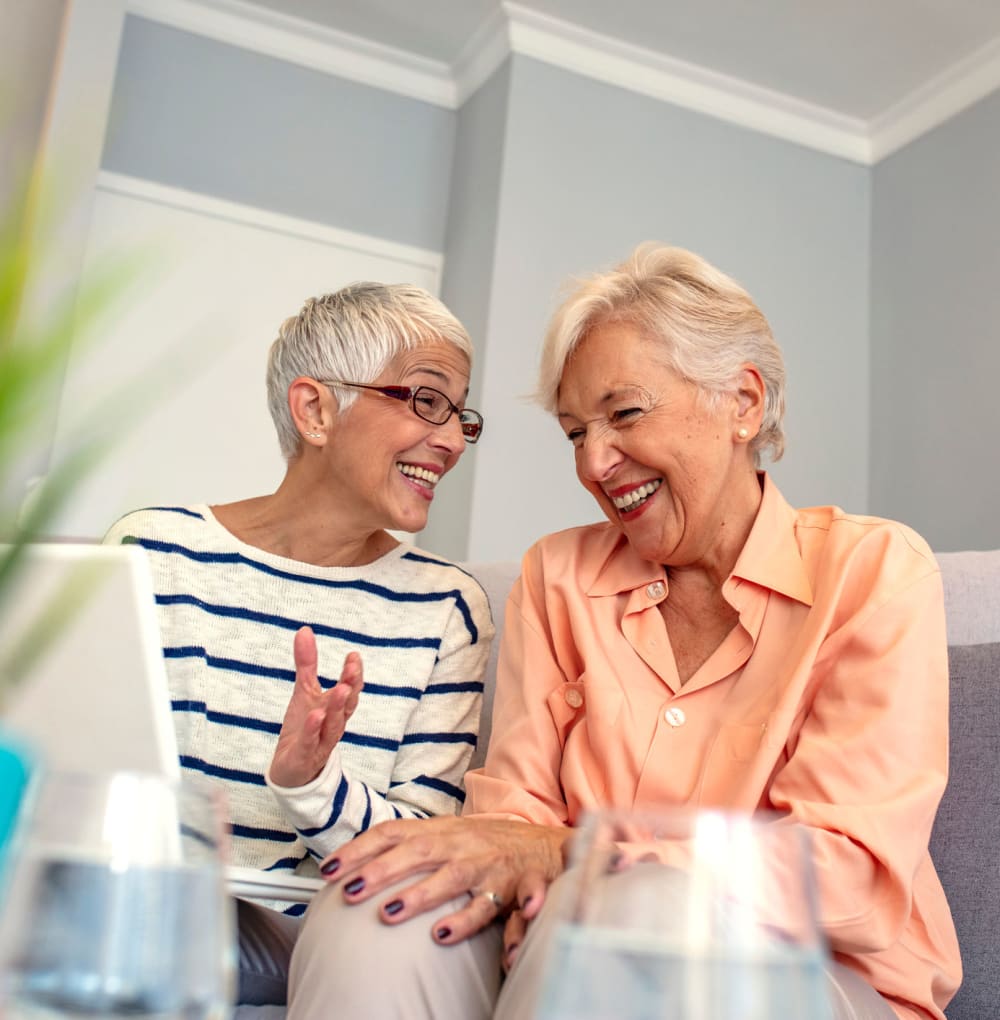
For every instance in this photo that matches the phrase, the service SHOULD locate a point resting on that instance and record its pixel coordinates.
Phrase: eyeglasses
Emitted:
(427, 403)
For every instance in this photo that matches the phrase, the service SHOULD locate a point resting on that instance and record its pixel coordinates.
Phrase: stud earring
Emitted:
(312, 435)
(742, 433)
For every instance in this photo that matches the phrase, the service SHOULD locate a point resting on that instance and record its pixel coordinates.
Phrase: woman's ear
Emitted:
(750, 393)
(312, 407)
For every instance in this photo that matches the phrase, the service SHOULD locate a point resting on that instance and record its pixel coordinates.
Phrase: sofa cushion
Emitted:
(965, 843)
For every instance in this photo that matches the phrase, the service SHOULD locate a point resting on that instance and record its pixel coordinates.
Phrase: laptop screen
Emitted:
(79, 634)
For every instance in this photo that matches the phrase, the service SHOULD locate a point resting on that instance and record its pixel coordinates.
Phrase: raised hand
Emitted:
(315, 719)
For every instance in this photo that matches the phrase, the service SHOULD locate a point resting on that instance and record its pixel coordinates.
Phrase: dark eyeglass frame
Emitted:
(470, 420)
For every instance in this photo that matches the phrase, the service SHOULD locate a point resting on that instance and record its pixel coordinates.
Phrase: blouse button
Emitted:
(675, 716)
(655, 590)
(574, 698)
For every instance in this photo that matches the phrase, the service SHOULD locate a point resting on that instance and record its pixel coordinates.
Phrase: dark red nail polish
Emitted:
(394, 907)
(354, 886)
(330, 867)
(443, 932)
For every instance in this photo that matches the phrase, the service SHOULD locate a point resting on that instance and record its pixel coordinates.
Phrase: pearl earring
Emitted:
(312, 435)
(743, 433)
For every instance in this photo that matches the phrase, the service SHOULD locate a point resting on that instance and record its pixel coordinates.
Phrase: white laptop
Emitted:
(80, 624)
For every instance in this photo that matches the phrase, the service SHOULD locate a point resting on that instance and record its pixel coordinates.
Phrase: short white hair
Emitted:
(352, 335)
(706, 324)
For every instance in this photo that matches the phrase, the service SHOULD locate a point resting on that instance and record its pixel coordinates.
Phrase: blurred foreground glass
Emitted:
(687, 915)
(116, 905)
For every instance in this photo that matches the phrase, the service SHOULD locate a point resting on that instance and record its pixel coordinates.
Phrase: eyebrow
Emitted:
(609, 395)
(438, 374)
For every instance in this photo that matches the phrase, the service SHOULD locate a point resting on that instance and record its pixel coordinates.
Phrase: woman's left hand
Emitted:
(315, 719)
(447, 857)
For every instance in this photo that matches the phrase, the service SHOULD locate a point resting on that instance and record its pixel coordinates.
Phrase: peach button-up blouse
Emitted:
(828, 701)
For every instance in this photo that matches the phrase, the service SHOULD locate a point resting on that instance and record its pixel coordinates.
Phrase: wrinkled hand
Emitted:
(448, 857)
(530, 898)
(315, 719)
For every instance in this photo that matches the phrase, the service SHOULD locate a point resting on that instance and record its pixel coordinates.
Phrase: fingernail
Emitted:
(330, 867)
(394, 907)
(443, 933)
(354, 886)
(615, 861)
(527, 900)
(512, 948)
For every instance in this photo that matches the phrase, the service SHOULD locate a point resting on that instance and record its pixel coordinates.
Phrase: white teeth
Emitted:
(630, 500)
(418, 474)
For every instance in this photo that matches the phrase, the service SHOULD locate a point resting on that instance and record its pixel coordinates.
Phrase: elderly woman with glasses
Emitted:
(708, 645)
(367, 390)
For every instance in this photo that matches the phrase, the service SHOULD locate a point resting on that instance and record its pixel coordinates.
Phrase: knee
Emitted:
(347, 954)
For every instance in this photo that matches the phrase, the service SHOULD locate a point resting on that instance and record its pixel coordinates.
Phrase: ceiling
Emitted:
(857, 58)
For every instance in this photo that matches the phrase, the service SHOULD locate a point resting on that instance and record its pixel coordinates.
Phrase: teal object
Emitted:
(16, 770)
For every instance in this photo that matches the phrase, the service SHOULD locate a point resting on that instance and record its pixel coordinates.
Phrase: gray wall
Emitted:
(589, 170)
(467, 284)
(198, 114)
(543, 174)
(935, 333)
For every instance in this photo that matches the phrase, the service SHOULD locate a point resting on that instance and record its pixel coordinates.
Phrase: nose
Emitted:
(597, 456)
(449, 436)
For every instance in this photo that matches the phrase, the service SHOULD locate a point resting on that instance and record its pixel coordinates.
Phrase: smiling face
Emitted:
(382, 460)
(666, 467)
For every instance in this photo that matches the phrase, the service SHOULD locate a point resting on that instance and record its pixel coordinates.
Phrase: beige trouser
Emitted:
(349, 965)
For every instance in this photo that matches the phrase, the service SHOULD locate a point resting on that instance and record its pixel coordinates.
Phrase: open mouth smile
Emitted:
(635, 498)
(422, 476)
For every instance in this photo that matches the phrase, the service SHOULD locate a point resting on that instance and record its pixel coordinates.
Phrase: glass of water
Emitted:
(687, 915)
(116, 905)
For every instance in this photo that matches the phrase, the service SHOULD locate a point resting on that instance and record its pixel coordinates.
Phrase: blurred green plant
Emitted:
(35, 345)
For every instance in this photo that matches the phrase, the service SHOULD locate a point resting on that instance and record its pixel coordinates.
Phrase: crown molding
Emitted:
(306, 44)
(514, 29)
(486, 49)
(674, 81)
(937, 101)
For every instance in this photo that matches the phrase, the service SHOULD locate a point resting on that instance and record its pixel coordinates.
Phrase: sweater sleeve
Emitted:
(430, 763)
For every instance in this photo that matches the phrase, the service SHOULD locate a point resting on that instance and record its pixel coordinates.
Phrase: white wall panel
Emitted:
(191, 344)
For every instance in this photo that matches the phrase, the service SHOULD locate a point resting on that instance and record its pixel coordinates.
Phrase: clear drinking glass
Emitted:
(117, 905)
(687, 915)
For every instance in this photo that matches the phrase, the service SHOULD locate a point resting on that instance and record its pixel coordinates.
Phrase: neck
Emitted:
(301, 522)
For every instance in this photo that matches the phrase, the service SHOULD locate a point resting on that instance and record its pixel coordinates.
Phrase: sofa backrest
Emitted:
(965, 843)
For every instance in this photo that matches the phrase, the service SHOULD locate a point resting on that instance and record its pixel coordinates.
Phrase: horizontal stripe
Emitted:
(253, 832)
(440, 738)
(177, 510)
(172, 548)
(235, 665)
(263, 726)
(234, 775)
(254, 616)
(469, 686)
(433, 783)
(286, 864)
(274, 673)
(227, 718)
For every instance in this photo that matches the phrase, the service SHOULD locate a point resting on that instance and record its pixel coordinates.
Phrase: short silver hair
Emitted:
(352, 335)
(707, 326)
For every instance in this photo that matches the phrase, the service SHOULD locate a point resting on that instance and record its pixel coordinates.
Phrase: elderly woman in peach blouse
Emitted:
(709, 645)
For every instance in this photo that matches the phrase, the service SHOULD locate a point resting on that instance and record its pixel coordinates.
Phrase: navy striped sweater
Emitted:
(228, 613)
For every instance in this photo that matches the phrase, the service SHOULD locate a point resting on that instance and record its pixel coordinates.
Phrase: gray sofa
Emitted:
(966, 839)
